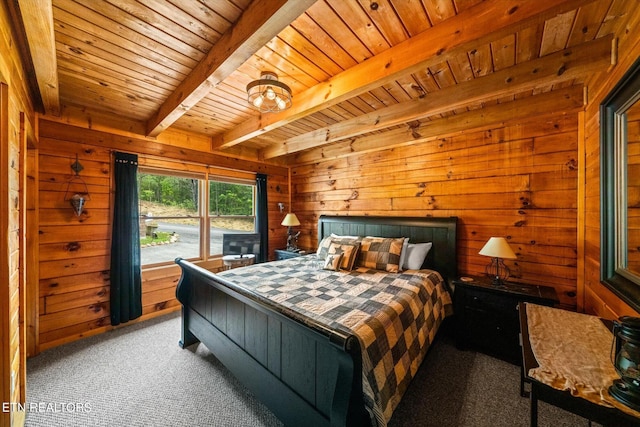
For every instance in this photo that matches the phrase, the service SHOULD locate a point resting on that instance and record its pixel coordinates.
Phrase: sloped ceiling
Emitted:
(363, 73)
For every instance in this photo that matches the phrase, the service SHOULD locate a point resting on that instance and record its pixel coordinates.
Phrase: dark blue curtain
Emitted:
(262, 217)
(126, 281)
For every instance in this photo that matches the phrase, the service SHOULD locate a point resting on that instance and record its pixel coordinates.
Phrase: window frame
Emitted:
(227, 180)
(201, 177)
(614, 273)
(204, 218)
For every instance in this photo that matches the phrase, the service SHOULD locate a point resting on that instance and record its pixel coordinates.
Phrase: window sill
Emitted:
(625, 289)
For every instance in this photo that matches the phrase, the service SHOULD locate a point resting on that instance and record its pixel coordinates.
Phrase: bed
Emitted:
(305, 369)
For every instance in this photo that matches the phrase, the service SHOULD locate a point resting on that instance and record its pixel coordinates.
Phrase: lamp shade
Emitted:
(497, 247)
(291, 220)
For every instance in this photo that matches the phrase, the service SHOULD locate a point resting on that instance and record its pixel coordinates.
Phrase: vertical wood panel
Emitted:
(274, 344)
(32, 241)
(298, 362)
(7, 311)
(235, 321)
(327, 369)
(256, 335)
(218, 310)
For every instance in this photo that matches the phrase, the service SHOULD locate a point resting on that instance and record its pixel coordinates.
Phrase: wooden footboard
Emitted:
(304, 373)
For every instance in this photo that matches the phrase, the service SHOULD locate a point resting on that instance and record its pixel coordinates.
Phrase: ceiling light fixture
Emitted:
(268, 94)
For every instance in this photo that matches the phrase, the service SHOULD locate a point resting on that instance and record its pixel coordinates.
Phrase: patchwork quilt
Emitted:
(394, 315)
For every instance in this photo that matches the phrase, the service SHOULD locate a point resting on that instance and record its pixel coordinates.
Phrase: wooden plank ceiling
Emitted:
(359, 70)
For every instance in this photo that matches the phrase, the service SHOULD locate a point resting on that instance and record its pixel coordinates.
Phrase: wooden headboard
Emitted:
(440, 231)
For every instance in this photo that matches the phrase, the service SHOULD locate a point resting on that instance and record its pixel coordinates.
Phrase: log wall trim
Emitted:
(7, 309)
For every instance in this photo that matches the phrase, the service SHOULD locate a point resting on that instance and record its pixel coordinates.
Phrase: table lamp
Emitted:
(498, 249)
(291, 220)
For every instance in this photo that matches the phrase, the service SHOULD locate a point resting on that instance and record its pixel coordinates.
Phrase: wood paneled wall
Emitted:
(74, 251)
(599, 299)
(517, 180)
(17, 118)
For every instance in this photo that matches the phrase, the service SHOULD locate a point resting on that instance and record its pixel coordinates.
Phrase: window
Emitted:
(620, 188)
(169, 217)
(231, 209)
(174, 221)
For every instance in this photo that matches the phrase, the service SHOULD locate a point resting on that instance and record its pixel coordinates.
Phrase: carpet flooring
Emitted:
(138, 376)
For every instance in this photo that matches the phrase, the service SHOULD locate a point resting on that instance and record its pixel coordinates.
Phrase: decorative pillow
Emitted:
(349, 251)
(416, 253)
(323, 247)
(381, 253)
(332, 262)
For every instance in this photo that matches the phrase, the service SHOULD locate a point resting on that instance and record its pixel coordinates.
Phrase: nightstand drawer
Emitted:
(490, 302)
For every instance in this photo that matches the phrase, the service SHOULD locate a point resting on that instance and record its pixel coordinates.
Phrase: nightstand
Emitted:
(486, 316)
(285, 254)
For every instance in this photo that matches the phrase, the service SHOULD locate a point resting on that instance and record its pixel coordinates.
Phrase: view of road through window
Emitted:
(187, 240)
(172, 225)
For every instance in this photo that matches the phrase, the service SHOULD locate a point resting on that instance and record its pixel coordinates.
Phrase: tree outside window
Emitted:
(173, 225)
(231, 209)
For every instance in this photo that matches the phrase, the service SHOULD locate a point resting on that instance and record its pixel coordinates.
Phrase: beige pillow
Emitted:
(323, 246)
(332, 262)
(349, 251)
(381, 253)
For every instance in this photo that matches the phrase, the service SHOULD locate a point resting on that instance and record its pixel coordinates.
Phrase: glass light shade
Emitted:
(77, 201)
(268, 93)
(290, 220)
(258, 101)
(497, 247)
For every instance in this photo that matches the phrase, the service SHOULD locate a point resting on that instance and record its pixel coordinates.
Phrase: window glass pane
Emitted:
(231, 209)
(169, 218)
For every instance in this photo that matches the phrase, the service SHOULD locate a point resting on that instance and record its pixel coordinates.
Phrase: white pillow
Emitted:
(403, 254)
(416, 253)
(336, 236)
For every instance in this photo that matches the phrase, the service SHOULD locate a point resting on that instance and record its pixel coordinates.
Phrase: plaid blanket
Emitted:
(394, 315)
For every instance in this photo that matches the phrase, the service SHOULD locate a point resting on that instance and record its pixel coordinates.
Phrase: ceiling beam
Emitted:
(561, 66)
(258, 24)
(484, 22)
(37, 19)
(557, 102)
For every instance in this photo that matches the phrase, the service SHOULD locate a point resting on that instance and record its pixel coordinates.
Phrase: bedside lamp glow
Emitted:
(498, 249)
(291, 220)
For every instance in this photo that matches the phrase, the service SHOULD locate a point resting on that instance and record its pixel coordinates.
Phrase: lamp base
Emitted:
(498, 271)
(626, 394)
(292, 240)
(497, 281)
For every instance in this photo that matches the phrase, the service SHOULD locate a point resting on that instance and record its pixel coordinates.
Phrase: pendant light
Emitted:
(268, 94)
